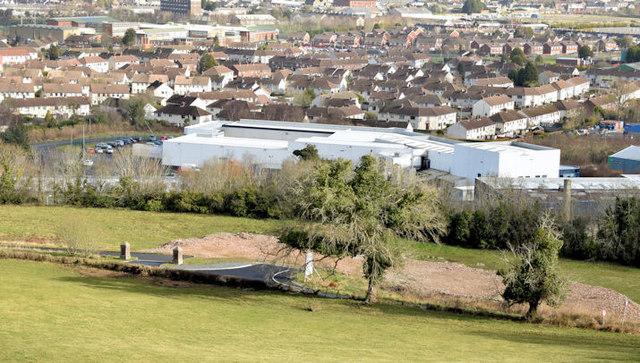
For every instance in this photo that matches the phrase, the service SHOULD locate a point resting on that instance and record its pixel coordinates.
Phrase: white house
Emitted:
(100, 92)
(509, 123)
(16, 90)
(140, 82)
(548, 92)
(162, 91)
(564, 89)
(95, 63)
(481, 128)
(58, 107)
(220, 76)
(61, 90)
(525, 96)
(435, 118)
(580, 85)
(181, 116)
(183, 85)
(546, 115)
(17, 55)
(488, 106)
(118, 61)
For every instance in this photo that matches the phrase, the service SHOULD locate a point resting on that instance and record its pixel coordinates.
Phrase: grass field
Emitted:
(50, 312)
(144, 230)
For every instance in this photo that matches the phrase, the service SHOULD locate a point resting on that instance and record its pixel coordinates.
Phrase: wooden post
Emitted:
(177, 255)
(125, 251)
(567, 199)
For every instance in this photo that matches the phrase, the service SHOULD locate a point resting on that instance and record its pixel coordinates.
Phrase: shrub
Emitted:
(79, 238)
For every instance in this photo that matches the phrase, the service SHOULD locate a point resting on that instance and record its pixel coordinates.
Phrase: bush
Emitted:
(79, 239)
(498, 227)
(578, 242)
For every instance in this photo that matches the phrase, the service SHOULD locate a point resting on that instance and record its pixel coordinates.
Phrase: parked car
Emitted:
(91, 150)
(102, 145)
(109, 150)
(119, 143)
(152, 138)
(136, 139)
(99, 150)
(162, 138)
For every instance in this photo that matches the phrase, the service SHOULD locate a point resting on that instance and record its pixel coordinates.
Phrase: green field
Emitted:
(142, 230)
(54, 313)
(145, 230)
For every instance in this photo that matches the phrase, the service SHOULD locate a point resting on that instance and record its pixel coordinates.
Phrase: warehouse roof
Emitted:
(583, 184)
(230, 141)
(630, 153)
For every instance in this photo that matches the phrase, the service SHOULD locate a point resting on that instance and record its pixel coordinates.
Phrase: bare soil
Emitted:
(424, 280)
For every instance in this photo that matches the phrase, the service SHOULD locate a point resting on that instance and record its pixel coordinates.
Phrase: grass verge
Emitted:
(51, 312)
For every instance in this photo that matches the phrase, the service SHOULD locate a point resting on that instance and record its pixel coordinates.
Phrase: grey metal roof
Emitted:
(630, 153)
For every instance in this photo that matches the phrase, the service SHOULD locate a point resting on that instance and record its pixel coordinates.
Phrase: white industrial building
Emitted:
(271, 143)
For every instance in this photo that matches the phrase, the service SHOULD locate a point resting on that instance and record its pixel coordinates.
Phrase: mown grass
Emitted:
(145, 230)
(51, 312)
(142, 230)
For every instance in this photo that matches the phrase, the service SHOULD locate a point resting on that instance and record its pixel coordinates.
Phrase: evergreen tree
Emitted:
(53, 52)
(533, 277)
(206, 61)
(517, 56)
(129, 37)
(586, 52)
(472, 6)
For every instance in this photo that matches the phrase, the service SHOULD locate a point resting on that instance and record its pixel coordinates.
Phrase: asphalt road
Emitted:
(265, 272)
(44, 146)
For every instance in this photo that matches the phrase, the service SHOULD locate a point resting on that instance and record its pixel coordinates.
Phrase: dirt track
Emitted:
(423, 279)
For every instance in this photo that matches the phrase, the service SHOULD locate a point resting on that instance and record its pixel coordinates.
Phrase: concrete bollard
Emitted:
(125, 251)
(177, 255)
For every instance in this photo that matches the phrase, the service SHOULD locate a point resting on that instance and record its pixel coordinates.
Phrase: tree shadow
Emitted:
(601, 346)
(165, 288)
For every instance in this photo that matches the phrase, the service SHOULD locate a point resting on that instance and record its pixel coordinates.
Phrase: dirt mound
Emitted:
(422, 279)
(239, 245)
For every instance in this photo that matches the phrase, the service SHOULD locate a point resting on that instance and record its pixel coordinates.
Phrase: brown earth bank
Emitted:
(441, 282)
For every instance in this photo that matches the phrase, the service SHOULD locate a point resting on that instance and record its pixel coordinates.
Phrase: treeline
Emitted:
(612, 237)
